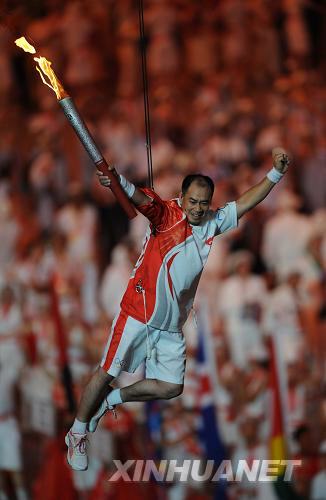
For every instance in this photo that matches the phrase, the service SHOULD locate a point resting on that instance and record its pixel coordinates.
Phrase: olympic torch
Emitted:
(50, 79)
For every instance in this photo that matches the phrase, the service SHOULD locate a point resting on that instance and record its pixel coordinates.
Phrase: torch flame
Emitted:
(45, 70)
(47, 74)
(23, 44)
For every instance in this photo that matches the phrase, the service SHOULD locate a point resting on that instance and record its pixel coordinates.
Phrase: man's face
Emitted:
(195, 202)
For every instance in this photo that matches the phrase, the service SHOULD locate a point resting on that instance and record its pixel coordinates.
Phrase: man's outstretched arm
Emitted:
(137, 196)
(258, 193)
(147, 202)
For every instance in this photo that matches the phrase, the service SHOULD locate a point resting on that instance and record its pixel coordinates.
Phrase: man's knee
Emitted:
(168, 390)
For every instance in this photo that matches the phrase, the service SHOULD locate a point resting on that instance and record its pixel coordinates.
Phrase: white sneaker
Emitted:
(103, 409)
(77, 450)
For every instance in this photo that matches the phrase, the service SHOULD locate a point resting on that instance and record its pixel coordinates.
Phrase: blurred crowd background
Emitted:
(229, 80)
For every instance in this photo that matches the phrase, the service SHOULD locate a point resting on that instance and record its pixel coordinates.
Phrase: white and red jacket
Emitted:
(164, 281)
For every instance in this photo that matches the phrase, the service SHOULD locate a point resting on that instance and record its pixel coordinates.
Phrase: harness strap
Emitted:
(149, 347)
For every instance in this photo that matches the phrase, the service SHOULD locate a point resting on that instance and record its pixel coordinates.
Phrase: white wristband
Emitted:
(127, 186)
(274, 175)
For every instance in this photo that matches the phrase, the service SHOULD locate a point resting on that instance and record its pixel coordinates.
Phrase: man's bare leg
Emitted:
(148, 389)
(95, 391)
(143, 390)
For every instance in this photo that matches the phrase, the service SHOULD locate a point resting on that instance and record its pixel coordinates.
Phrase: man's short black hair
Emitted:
(202, 180)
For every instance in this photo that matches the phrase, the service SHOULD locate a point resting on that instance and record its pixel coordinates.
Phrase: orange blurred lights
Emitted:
(47, 74)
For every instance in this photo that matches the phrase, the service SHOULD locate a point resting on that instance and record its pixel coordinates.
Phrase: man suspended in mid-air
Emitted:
(159, 296)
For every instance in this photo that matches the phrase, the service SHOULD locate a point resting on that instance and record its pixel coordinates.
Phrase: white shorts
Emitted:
(126, 349)
(10, 445)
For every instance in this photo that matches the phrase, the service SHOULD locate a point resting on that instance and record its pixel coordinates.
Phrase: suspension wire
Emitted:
(145, 94)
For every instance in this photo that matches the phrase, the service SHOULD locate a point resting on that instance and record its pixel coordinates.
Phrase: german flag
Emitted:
(278, 449)
(277, 438)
